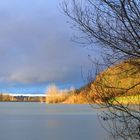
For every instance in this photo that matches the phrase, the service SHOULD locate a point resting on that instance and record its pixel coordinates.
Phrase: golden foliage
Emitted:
(120, 80)
(55, 95)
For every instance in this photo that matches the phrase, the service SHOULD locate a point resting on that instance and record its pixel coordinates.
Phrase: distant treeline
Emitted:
(10, 98)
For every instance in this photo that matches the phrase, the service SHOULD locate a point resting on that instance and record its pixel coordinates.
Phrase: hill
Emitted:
(119, 80)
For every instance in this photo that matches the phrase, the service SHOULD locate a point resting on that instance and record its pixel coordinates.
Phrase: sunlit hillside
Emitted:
(120, 80)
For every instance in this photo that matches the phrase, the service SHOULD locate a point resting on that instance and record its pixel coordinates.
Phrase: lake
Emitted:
(36, 121)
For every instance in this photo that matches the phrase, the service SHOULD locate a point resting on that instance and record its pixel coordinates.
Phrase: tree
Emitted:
(113, 25)
(55, 95)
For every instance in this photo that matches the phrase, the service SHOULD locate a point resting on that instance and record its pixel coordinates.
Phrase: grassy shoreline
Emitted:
(83, 99)
(130, 99)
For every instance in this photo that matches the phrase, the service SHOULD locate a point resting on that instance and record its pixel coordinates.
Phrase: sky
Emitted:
(36, 48)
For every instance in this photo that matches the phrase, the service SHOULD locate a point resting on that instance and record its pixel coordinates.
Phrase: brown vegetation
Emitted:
(120, 80)
(72, 96)
(112, 83)
(55, 95)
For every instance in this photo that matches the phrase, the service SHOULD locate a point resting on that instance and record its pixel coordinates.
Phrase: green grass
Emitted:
(132, 99)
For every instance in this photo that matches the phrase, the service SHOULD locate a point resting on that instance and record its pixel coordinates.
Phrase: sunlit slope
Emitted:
(119, 80)
(116, 82)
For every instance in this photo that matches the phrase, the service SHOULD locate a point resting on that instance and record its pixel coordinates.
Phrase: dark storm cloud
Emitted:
(35, 44)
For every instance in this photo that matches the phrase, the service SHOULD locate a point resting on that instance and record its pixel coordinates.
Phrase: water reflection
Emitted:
(34, 121)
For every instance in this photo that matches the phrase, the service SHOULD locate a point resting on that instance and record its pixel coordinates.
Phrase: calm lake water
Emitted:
(36, 121)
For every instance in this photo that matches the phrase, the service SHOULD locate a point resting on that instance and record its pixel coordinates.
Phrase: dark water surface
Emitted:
(36, 121)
